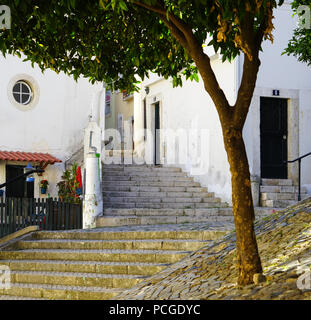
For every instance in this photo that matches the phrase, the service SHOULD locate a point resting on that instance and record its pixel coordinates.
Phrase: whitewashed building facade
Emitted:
(277, 127)
(43, 113)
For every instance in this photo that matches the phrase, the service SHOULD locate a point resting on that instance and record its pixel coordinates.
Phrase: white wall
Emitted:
(55, 125)
(190, 107)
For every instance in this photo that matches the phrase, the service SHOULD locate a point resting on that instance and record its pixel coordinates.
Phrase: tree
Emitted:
(116, 40)
(300, 44)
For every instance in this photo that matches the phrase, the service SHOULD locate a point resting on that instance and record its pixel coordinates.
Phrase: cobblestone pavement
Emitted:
(284, 241)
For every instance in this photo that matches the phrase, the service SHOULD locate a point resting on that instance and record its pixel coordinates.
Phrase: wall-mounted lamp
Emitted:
(30, 177)
(147, 90)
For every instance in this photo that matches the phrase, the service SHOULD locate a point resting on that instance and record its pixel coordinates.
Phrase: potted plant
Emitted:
(69, 191)
(43, 186)
(69, 188)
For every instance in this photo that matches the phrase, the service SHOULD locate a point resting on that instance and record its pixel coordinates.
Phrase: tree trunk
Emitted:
(248, 258)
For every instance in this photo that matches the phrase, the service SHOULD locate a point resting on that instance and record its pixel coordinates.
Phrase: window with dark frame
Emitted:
(22, 92)
(145, 120)
(108, 102)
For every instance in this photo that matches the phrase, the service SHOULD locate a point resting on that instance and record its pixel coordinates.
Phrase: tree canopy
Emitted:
(300, 44)
(115, 41)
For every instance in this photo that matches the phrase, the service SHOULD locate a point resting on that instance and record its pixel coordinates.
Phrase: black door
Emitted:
(157, 133)
(273, 131)
(19, 188)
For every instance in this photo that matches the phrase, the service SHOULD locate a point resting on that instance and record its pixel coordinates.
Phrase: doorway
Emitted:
(19, 188)
(273, 138)
(157, 128)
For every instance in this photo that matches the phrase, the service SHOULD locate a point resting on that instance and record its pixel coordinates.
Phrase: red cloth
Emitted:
(79, 177)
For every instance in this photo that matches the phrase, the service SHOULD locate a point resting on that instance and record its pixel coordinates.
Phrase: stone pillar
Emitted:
(93, 203)
(255, 183)
(92, 138)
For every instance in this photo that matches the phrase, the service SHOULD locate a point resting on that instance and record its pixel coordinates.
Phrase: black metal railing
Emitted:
(24, 175)
(48, 214)
(299, 171)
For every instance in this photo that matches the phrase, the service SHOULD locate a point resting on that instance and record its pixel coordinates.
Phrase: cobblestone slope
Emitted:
(284, 241)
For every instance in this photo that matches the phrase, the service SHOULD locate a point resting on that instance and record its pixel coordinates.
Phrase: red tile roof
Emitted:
(28, 156)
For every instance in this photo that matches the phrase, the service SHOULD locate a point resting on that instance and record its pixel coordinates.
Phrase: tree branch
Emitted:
(246, 91)
(184, 35)
(162, 15)
(250, 71)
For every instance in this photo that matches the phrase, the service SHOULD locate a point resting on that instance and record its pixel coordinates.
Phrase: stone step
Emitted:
(276, 182)
(153, 244)
(266, 211)
(164, 205)
(130, 268)
(128, 152)
(120, 234)
(281, 189)
(278, 203)
(138, 174)
(164, 212)
(209, 212)
(152, 256)
(132, 217)
(159, 198)
(18, 298)
(157, 194)
(259, 211)
(119, 161)
(278, 196)
(76, 279)
(60, 292)
(114, 221)
(147, 178)
(133, 168)
(161, 184)
(194, 190)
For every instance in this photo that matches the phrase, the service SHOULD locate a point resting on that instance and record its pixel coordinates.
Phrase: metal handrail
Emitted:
(21, 177)
(300, 158)
(299, 166)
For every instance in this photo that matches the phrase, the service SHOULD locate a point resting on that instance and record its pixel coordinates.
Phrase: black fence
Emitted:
(48, 214)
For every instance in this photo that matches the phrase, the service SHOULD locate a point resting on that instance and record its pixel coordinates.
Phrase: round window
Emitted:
(22, 92)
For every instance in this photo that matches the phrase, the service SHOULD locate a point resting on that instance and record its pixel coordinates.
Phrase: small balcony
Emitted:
(127, 96)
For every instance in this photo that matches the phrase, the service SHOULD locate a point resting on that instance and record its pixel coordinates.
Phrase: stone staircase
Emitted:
(93, 264)
(146, 195)
(151, 187)
(279, 193)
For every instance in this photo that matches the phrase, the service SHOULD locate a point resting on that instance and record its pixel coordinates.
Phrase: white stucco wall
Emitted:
(190, 107)
(55, 125)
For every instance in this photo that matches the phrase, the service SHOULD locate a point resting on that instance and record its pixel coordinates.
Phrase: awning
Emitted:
(28, 156)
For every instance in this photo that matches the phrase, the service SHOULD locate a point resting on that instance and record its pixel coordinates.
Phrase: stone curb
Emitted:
(9, 239)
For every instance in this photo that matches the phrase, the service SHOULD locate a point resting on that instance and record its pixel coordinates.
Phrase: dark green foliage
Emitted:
(115, 41)
(300, 44)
